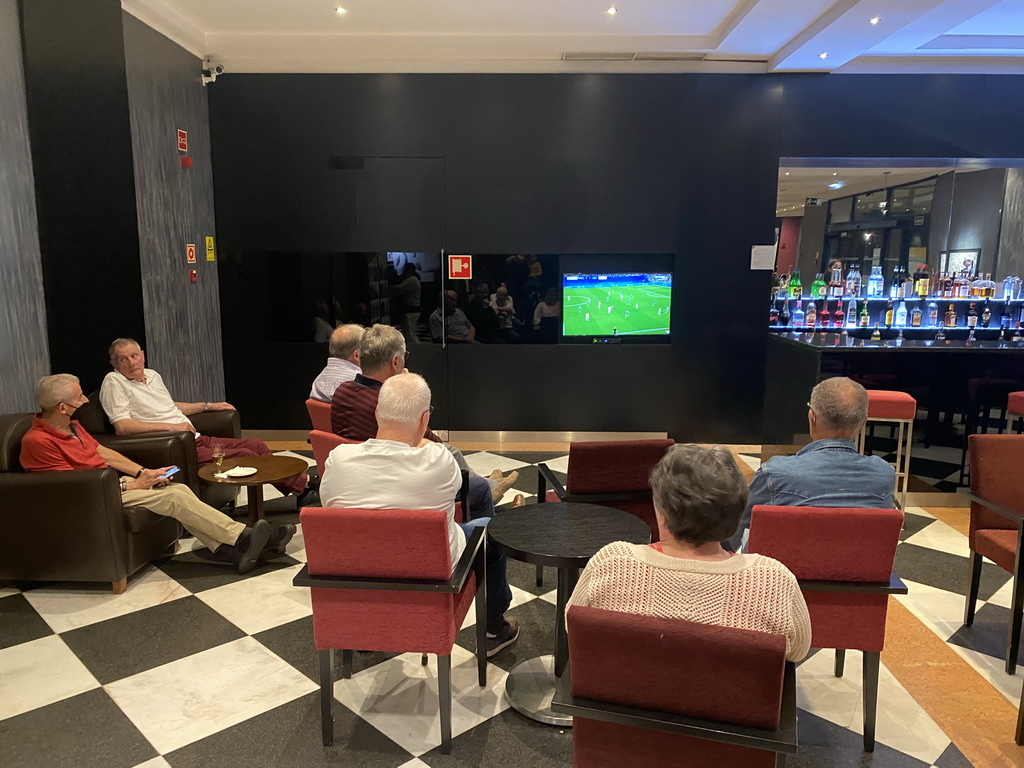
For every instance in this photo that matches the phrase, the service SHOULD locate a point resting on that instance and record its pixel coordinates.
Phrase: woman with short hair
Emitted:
(699, 495)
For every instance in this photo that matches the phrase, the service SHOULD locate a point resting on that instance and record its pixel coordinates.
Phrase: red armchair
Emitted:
(323, 442)
(996, 523)
(842, 558)
(382, 580)
(319, 414)
(688, 694)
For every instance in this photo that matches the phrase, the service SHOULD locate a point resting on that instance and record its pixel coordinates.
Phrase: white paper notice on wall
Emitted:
(762, 257)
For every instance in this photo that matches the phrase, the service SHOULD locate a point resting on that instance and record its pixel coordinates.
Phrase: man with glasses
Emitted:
(828, 472)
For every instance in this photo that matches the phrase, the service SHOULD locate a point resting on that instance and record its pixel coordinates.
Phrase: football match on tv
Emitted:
(636, 304)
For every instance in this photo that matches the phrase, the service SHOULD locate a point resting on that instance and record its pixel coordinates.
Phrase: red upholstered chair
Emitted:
(319, 414)
(369, 592)
(1015, 410)
(996, 523)
(843, 560)
(649, 691)
(899, 410)
(323, 442)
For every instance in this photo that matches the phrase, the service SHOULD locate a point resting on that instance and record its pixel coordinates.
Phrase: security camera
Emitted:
(211, 70)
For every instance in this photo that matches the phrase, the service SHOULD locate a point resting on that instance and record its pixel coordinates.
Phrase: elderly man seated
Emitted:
(398, 469)
(136, 400)
(827, 472)
(57, 442)
(342, 363)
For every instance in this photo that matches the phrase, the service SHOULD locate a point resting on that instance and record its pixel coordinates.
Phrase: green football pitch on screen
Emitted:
(616, 310)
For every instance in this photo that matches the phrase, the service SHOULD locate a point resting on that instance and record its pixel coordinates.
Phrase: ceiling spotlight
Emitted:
(835, 173)
(874, 21)
(612, 11)
(339, 9)
(836, 185)
(823, 55)
(787, 173)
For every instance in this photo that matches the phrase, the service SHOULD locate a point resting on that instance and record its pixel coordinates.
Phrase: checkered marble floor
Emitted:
(197, 666)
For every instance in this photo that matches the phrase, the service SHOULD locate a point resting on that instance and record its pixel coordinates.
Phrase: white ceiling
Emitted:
(550, 35)
(796, 184)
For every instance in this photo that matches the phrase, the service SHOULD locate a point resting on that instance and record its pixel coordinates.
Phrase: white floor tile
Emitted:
(550, 597)
(39, 673)
(1002, 596)
(309, 460)
(261, 602)
(519, 596)
(67, 609)
(941, 537)
(939, 610)
(156, 762)
(484, 463)
(399, 698)
(414, 763)
(8, 591)
(918, 511)
(560, 464)
(191, 698)
(751, 461)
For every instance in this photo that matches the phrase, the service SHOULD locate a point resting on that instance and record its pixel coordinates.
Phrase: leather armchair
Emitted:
(71, 526)
(180, 452)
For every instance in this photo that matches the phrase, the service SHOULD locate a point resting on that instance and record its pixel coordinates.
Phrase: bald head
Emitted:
(344, 343)
(839, 406)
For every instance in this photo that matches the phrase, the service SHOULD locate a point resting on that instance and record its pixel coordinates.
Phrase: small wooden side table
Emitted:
(269, 469)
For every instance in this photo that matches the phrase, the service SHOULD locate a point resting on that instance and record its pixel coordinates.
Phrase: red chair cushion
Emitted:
(621, 465)
(844, 620)
(701, 670)
(319, 414)
(323, 442)
(996, 462)
(886, 404)
(999, 546)
(1015, 403)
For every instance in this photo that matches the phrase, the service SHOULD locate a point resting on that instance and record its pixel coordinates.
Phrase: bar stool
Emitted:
(898, 409)
(1015, 410)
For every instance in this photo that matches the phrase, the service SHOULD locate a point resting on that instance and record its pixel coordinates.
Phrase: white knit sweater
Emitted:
(745, 591)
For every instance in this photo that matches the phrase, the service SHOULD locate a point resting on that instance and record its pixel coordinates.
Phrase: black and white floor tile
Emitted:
(195, 665)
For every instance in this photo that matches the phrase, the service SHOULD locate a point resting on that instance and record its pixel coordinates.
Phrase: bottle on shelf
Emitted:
(876, 282)
(961, 286)
(986, 315)
(901, 315)
(851, 314)
(941, 335)
(922, 281)
(1004, 320)
(897, 281)
(783, 284)
(944, 287)
(773, 314)
(796, 288)
(1016, 333)
(972, 316)
(853, 280)
(933, 314)
(811, 317)
(1008, 289)
(970, 336)
(915, 316)
(836, 284)
(977, 286)
(908, 286)
(876, 335)
(838, 316)
(950, 320)
(863, 320)
(824, 317)
(784, 315)
(990, 286)
(775, 285)
(818, 287)
(888, 314)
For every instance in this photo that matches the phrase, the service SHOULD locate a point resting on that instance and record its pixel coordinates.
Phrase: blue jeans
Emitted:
(481, 503)
(499, 596)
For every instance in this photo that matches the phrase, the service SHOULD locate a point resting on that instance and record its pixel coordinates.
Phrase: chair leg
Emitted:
(327, 696)
(540, 575)
(346, 663)
(423, 660)
(1019, 736)
(481, 620)
(871, 665)
(1013, 633)
(840, 662)
(119, 587)
(444, 700)
(973, 582)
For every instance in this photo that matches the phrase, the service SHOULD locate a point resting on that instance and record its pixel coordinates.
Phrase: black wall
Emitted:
(682, 164)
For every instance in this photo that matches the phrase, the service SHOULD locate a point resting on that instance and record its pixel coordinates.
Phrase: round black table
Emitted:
(563, 535)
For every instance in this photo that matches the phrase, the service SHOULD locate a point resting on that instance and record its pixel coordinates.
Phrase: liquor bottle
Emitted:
(798, 315)
(773, 314)
(944, 288)
(901, 315)
(876, 283)
(1016, 333)
(818, 287)
(838, 316)
(1008, 294)
(986, 315)
(972, 316)
(795, 286)
(977, 286)
(864, 319)
(824, 317)
(915, 316)
(784, 285)
(933, 314)
(990, 286)
(897, 281)
(851, 314)
(784, 316)
(835, 279)
(876, 336)
(908, 285)
(775, 285)
(811, 319)
(951, 317)
(961, 286)
(853, 281)
(941, 335)
(888, 314)
(921, 281)
(1004, 320)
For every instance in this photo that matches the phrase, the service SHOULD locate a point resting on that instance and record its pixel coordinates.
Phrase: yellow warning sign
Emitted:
(209, 249)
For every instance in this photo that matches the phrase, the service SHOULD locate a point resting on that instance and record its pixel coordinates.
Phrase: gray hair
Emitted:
(840, 404)
(345, 340)
(53, 390)
(403, 399)
(700, 492)
(118, 343)
(378, 345)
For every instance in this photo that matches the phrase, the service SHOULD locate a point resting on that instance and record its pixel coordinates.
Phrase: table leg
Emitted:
(567, 578)
(255, 498)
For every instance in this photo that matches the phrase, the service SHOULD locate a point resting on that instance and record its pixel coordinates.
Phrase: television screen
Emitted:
(630, 305)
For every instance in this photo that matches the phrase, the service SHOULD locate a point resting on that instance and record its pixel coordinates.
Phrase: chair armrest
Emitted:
(895, 586)
(546, 477)
(782, 739)
(218, 423)
(475, 548)
(1014, 517)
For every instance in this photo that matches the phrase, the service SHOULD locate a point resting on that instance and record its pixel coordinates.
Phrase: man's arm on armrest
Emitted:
(190, 409)
(136, 427)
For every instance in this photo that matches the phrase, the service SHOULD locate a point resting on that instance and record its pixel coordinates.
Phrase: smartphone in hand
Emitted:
(171, 471)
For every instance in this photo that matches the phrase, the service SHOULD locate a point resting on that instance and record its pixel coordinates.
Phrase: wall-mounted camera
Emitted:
(210, 71)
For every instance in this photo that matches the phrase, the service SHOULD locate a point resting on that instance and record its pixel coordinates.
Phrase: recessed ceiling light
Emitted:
(835, 173)
(787, 173)
(836, 185)
(339, 9)
(612, 11)
(874, 20)
(823, 55)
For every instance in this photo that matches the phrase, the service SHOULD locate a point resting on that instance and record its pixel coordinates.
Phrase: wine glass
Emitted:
(218, 454)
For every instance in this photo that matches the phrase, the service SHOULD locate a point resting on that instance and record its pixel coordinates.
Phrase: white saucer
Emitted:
(239, 472)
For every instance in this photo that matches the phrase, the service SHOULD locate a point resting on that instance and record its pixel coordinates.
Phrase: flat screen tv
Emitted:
(616, 307)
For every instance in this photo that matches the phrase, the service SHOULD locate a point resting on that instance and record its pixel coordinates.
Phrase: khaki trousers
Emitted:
(210, 527)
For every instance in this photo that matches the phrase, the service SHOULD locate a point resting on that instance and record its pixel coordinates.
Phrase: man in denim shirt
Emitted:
(828, 472)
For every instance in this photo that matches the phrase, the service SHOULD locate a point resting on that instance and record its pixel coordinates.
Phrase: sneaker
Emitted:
(503, 638)
(308, 498)
(250, 544)
(280, 535)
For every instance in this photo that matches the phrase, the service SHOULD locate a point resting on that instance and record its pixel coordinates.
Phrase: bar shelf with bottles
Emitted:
(908, 306)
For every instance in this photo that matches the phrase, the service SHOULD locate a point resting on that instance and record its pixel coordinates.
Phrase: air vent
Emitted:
(596, 56)
(669, 56)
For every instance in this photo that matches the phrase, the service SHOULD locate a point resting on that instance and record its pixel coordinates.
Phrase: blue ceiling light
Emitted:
(836, 185)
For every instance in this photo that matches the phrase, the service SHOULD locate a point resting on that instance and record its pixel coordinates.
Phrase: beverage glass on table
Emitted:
(218, 455)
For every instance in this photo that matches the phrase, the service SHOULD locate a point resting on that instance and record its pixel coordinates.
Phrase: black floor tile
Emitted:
(289, 735)
(929, 468)
(200, 569)
(826, 745)
(536, 634)
(84, 730)
(124, 646)
(945, 571)
(952, 758)
(508, 740)
(524, 576)
(19, 622)
(914, 524)
(988, 632)
(946, 486)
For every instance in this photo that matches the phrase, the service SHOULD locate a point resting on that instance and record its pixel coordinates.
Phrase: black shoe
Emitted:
(279, 538)
(251, 544)
(313, 479)
(503, 637)
(308, 498)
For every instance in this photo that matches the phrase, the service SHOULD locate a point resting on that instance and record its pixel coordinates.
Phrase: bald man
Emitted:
(342, 363)
(828, 472)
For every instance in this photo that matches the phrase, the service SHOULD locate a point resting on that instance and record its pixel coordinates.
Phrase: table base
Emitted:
(529, 688)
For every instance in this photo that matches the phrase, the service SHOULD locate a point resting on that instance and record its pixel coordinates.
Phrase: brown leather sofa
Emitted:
(71, 526)
(181, 452)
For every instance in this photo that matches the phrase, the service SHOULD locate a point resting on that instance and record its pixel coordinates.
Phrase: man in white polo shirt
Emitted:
(400, 469)
(135, 400)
